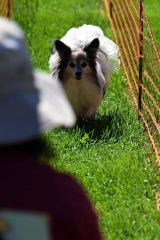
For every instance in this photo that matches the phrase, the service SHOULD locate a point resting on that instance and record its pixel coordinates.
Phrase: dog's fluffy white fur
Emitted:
(84, 95)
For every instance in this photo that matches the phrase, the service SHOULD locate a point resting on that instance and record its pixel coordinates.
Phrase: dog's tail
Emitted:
(109, 52)
(75, 38)
(80, 37)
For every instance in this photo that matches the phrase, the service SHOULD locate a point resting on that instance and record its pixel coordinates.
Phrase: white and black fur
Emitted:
(83, 61)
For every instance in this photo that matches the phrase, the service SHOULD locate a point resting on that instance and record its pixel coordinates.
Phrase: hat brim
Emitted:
(30, 112)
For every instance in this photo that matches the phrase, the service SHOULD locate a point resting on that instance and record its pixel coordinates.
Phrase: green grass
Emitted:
(106, 155)
(153, 13)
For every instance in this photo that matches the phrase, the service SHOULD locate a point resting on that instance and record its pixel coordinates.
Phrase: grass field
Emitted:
(153, 14)
(106, 155)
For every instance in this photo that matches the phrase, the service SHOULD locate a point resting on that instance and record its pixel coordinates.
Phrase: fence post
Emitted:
(9, 9)
(111, 9)
(140, 59)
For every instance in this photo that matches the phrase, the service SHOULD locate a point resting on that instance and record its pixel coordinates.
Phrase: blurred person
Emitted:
(36, 202)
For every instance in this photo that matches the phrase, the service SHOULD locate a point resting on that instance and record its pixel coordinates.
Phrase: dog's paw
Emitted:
(91, 113)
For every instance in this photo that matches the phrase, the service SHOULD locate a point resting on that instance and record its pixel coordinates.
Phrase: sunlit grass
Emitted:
(106, 155)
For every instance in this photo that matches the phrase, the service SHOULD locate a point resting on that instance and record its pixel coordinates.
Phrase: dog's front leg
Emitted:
(91, 112)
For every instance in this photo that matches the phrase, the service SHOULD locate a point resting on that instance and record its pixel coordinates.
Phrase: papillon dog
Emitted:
(83, 61)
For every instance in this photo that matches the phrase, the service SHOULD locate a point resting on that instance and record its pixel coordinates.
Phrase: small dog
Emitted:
(83, 61)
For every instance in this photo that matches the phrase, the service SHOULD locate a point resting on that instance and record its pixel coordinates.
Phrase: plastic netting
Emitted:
(5, 8)
(140, 59)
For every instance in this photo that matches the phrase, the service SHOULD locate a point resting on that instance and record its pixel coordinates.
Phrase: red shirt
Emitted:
(27, 185)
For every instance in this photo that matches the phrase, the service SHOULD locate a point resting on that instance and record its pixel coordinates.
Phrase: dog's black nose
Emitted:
(78, 74)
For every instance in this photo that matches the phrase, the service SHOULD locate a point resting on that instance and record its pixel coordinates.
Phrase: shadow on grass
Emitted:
(106, 126)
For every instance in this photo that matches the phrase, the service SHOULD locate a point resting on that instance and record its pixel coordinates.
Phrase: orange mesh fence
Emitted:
(5, 8)
(141, 62)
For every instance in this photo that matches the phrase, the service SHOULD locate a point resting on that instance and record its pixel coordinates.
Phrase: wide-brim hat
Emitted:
(31, 102)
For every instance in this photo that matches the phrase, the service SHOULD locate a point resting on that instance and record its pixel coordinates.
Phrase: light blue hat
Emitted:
(31, 102)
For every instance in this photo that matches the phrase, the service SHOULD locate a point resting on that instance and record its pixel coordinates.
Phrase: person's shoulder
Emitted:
(63, 184)
(62, 180)
(60, 189)
(61, 195)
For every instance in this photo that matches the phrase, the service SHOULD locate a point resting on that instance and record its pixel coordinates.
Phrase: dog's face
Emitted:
(77, 63)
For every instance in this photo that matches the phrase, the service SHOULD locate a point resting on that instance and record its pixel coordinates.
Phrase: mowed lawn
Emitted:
(153, 14)
(107, 155)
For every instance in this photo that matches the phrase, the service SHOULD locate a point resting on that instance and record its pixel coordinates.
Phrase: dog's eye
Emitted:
(84, 65)
(72, 65)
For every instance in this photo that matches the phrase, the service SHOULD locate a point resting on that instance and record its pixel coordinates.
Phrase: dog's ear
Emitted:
(92, 48)
(62, 49)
